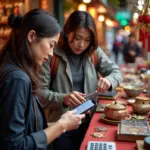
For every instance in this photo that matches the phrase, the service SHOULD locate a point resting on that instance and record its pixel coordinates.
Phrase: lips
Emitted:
(79, 49)
(45, 59)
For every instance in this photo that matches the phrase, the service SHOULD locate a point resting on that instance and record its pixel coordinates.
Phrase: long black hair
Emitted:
(79, 19)
(43, 24)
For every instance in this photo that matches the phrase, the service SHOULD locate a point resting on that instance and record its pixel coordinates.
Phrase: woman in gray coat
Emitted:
(76, 74)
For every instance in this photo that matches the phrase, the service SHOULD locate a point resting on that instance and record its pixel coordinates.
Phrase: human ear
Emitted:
(31, 36)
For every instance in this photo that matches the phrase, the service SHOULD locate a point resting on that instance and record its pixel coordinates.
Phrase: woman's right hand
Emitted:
(74, 99)
(70, 120)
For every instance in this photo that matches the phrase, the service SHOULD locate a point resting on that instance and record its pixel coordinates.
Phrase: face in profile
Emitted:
(79, 40)
(43, 47)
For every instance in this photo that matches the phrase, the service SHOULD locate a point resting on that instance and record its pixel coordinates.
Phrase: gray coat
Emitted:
(63, 80)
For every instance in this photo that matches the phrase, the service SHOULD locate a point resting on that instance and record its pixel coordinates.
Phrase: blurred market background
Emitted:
(115, 19)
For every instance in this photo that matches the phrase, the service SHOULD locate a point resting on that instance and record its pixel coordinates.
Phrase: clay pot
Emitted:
(141, 105)
(116, 111)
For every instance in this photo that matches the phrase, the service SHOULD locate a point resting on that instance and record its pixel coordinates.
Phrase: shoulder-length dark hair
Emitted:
(79, 19)
(43, 24)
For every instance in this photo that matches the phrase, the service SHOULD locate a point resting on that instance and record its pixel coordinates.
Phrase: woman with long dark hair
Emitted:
(23, 124)
(76, 74)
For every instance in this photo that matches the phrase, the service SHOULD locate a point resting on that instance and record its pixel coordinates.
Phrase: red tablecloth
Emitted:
(110, 135)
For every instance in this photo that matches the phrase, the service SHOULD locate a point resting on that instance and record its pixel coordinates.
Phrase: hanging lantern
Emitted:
(141, 30)
(142, 37)
(146, 25)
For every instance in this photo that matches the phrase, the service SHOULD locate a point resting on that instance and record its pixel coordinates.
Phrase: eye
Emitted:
(51, 45)
(87, 40)
(77, 38)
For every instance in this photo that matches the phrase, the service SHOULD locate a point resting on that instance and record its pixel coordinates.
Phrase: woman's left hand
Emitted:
(103, 85)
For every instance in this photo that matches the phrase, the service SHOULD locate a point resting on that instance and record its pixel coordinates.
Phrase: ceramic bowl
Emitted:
(133, 91)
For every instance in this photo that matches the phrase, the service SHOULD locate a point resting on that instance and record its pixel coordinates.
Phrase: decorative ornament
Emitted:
(100, 129)
(97, 135)
(146, 25)
(141, 31)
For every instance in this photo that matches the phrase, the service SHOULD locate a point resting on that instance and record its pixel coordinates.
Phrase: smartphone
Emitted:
(85, 107)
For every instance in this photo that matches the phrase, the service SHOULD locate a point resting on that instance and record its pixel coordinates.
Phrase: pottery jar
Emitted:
(141, 105)
(116, 111)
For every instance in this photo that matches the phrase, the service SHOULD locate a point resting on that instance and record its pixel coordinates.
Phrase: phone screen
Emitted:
(85, 106)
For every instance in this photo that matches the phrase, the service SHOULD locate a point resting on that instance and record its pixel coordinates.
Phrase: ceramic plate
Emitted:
(109, 121)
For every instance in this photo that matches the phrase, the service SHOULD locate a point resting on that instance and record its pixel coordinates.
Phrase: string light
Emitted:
(109, 23)
(135, 15)
(140, 7)
(86, 1)
(82, 7)
(101, 18)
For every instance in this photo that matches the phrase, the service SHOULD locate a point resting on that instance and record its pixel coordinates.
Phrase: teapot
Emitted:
(116, 111)
(141, 105)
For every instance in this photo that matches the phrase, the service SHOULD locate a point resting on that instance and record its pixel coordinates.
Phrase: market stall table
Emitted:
(110, 135)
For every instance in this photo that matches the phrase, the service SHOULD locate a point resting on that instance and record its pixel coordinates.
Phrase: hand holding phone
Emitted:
(85, 106)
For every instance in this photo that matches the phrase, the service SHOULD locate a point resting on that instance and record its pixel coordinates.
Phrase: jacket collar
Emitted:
(60, 52)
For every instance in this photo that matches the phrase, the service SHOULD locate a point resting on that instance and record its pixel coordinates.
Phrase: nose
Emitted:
(81, 43)
(50, 52)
